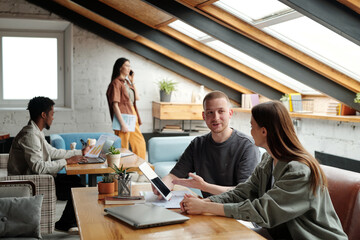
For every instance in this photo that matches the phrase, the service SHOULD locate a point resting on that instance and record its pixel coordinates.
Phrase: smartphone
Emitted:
(84, 144)
(131, 72)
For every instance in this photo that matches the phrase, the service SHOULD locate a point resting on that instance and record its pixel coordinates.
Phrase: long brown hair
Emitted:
(282, 140)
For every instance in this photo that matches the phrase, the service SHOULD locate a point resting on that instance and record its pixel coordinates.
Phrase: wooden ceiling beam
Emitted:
(131, 45)
(218, 69)
(352, 4)
(225, 59)
(129, 34)
(283, 48)
(264, 54)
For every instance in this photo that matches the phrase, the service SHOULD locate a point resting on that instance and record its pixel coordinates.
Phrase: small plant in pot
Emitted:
(113, 157)
(166, 87)
(106, 186)
(124, 180)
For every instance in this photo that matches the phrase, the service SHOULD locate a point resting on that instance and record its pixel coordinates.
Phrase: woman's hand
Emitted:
(86, 150)
(124, 128)
(192, 205)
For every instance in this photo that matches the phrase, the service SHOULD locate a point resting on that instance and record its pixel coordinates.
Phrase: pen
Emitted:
(130, 198)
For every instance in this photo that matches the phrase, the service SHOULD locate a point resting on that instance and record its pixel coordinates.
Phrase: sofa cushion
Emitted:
(163, 168)
(166, 149)
(20, 216)
(63, 140)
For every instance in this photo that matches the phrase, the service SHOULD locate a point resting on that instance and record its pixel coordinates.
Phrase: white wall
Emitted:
(332, 137)
(93, 61)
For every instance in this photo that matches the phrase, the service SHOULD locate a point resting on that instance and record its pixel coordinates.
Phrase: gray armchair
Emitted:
(44, 185)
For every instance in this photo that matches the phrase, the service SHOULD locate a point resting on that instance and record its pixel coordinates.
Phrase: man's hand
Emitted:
(196, 182)
(86, 150)
(75, 159)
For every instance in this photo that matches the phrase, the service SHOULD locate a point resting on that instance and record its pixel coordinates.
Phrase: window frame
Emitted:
(62, 31)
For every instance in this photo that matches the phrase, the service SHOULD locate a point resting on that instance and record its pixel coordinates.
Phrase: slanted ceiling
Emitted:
(141, 27)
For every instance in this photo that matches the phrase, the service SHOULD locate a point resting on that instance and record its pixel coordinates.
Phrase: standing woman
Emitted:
(122, 96)
(287, 193)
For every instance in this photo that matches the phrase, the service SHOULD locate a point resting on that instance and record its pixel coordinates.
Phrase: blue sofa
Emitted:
(63, 140)
(164, 152)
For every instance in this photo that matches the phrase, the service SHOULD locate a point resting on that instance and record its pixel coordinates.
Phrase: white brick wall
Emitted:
(93, 60)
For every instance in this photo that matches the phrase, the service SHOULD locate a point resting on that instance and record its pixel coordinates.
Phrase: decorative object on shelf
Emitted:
(124, 180)
(249, 100)
(113, 157)
(198, 96)
(106, 186)
(285, 100)
(166, 87)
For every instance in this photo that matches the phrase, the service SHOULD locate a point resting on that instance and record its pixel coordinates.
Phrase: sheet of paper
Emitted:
(174, 202)
(104, 140)
(130, 121)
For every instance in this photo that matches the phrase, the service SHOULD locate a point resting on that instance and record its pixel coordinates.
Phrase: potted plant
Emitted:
(166, 87)
(285, 100)
(106, 186)
(124, 180)
(113, 157)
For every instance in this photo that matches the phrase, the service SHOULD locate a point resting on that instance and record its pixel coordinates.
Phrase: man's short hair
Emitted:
(37, 105)
(214, 95)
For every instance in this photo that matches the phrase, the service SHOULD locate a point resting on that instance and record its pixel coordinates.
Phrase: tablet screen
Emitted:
(155, 180)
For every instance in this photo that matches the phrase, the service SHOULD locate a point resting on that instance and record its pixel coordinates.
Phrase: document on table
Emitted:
(130, 121)
(174, 202)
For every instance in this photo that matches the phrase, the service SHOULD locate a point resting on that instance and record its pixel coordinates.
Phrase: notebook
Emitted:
(145, 216)
(97, 154)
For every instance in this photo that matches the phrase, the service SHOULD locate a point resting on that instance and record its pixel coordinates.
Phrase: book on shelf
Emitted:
(249, 100)
(344, 110)
(172, 127)
(124, 200)
(295, 103)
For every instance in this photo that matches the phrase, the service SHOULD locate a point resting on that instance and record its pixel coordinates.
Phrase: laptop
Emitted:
(145, 216)
(97, 154)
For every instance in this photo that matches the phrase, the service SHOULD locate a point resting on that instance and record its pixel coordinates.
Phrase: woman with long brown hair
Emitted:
(286, 197)
(122, 96)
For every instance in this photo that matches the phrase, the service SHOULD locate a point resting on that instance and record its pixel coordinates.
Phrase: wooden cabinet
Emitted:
(175, 111)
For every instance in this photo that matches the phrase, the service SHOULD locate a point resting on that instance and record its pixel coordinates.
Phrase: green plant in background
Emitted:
(167, 85)
(357, 98)
(284, 98)
(113, 151)
(107, 178)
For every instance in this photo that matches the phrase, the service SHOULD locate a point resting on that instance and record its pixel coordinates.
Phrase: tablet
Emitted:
(155, 181)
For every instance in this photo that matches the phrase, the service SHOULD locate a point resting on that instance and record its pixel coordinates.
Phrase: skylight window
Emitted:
(299, 32)
(241, 57)
(253, 10)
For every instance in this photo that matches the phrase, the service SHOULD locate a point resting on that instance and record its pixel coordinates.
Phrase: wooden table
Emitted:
(94, 169)
(94, 223)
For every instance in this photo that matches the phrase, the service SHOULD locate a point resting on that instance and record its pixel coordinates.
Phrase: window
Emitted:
(241, 57)
(32, 62)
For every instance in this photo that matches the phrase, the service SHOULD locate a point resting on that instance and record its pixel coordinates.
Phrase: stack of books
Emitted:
(203, 129)
(172, 128)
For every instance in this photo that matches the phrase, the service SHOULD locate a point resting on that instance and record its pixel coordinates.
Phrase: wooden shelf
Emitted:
(352, 118)
(177, 111)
